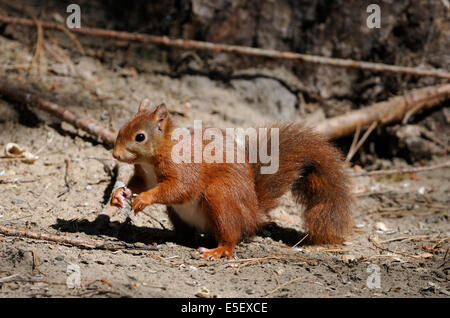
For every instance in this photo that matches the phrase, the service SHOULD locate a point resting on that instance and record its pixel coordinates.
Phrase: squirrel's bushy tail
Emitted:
(313, 169)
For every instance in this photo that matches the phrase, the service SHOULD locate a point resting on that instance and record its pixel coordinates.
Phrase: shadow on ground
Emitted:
(130, 233)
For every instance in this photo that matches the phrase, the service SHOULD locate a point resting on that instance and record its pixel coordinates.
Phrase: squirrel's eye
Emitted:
(139, 137)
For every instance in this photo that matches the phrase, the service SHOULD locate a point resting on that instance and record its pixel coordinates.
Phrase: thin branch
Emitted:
(38, 52)
(74, 40)
(35, 267)
(8, 279)
(248, 261)
(284, 285)
(402, 170)
(90, 126)
(301, 240)
(353, 145)
(392, 110)
(355, 149)
(375, 243)
(105, 245)
(67, 181)
(233, 49)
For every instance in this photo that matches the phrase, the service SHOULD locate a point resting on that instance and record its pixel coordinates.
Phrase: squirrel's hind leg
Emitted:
(225, 232)
(231, 210)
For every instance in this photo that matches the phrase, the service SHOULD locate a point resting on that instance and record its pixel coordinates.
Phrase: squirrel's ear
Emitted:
(144, 105)
(161, 112)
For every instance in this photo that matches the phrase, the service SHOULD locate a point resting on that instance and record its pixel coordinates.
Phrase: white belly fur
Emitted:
(190, 212)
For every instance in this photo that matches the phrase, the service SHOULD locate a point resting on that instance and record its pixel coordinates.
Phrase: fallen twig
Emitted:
(97, 292)
(35, 267)
(38, 52)
(233, 49)
(68, 183)
(354, 143)
(355, 146)
(392, 110)
(105, 245)
(17, 278)
(440, 241)
(429, 135)
(8, 279)
(229, 262)
(444, 258)
(375, 243)
(301, 240)
(248, 261)
(405, 238)
(284, 285)
(401, 170)
(90, 126)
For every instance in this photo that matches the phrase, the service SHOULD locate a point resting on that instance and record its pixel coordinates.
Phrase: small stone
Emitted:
(203, 293)
(132, 278)
(380, 226)
(28, 157)
(279, 271)
(348, 258)
(192, 283)
(250, 291)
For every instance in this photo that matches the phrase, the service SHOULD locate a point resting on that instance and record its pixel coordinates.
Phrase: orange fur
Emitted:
(234, 198)
(313, 170)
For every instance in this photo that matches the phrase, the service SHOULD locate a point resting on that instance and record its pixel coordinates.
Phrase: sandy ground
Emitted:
(399, 247)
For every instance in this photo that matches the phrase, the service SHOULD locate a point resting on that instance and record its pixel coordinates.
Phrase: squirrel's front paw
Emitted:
(141, 202)
(119, 195)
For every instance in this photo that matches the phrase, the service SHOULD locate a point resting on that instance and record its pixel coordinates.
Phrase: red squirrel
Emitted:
(232, 200)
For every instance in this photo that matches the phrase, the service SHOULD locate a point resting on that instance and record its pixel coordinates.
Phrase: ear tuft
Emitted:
(145, 105)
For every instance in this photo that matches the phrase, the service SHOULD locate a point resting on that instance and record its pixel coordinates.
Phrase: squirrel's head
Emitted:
(141, 138)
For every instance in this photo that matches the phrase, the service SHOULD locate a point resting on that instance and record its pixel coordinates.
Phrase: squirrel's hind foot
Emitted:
(216, 253)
